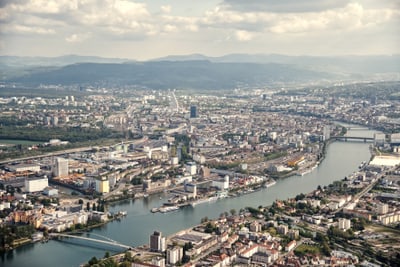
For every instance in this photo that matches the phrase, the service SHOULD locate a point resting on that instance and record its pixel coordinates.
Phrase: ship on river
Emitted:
(203, 200)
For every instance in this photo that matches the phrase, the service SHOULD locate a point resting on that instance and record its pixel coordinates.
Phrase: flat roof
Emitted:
(385, 161)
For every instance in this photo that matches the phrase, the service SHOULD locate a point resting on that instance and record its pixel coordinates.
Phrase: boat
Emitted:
(36, 237)
(269, 184)
(168, 209)
(123, 212)
(203, 200)
(154, 210)
(146, 195)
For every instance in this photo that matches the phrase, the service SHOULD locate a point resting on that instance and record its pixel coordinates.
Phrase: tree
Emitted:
(80, 201)
(94, 207)
(233, 212)
(93, 261)
(128, 256)
(107, 254)
(88, 206)
(185, 259)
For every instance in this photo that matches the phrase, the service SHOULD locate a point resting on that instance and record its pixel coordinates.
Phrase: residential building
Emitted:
(174, 255)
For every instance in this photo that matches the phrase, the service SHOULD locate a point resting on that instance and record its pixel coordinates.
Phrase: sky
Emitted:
(141, 30)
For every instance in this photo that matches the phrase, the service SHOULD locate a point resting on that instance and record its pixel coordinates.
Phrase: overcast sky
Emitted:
(140, 29)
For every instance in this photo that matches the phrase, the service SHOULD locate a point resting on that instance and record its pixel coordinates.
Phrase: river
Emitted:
(342, 159)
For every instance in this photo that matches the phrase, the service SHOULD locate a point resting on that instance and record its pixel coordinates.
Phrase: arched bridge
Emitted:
(352, 138)
(106, 242)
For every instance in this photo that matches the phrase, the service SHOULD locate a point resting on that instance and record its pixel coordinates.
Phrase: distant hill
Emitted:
(339, 64)
(14, 61)
(195, 74)
(198, 71)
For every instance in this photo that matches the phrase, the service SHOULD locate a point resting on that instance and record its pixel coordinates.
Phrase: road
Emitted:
(67, 151)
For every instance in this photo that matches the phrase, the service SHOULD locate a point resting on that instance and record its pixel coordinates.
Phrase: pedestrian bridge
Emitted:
(108, 241)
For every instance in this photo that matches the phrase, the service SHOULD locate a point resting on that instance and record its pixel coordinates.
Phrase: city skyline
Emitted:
(145, 30)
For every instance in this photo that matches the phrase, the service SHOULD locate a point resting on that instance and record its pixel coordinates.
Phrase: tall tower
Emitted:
(61, 167)
(193, 112)
(157, 242)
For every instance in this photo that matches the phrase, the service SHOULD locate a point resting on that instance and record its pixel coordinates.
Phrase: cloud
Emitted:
(31, 30)
(166, 9)
(243, 36)
(77, 38)
(347, 18)
(44, 6)
(233, 22)
(284, 6)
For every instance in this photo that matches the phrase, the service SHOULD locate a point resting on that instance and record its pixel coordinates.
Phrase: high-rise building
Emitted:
(103, 185)
(193, 112)
(191, 168)
(54, 120)
(174, 255)
(327, 132)
(157, 242)
(158, 261)
(61, 167)
(383, 208)
(344, 224)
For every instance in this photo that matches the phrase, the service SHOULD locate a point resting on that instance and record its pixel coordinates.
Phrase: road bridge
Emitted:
(352, 138)
(109, 241)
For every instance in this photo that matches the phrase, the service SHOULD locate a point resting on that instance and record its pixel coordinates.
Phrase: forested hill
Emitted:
(195, 74)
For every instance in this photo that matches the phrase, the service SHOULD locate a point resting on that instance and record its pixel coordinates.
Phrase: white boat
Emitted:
(269, 184)
(123, 212)
(154, 210)
(203, 200)
(168, 209)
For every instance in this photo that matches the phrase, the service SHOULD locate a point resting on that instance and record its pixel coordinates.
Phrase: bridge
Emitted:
(352, 138)
(108, 241)
(357, 128)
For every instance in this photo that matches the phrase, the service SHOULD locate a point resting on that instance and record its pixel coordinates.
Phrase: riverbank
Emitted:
(341, 159)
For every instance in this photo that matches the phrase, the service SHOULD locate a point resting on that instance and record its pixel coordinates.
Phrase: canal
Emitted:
(342, 159)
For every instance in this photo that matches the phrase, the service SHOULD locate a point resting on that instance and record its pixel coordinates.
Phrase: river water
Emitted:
(342, 159)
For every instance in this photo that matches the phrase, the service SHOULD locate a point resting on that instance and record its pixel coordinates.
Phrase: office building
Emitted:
(193, 112)
(157, 242)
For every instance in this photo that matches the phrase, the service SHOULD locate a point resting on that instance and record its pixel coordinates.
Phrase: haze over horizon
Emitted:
(144, 30)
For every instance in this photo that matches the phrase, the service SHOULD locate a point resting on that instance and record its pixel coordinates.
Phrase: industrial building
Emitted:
(61, 167)
(36, 184)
